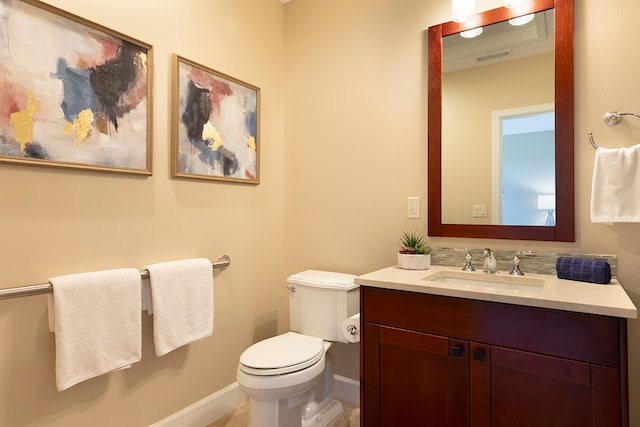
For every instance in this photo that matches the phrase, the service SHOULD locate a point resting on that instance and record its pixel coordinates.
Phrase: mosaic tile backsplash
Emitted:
(537, 262)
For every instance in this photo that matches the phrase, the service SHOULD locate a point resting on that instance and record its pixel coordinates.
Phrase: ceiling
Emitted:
(500, 42)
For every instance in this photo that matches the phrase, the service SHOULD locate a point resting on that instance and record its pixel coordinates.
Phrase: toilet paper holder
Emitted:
(353, 330)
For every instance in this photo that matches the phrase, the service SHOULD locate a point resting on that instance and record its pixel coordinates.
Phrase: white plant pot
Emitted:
(414, 261)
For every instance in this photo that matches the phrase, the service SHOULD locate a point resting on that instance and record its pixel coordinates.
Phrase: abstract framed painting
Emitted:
(73, 93)
(216, 125)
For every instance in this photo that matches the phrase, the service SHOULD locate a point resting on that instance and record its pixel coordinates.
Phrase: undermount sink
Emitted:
(479, 279)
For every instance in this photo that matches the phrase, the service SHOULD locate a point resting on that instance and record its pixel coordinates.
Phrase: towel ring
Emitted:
(611, 118)
(593, 143)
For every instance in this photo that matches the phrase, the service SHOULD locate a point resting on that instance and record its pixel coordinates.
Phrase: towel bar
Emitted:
(46, 288)
(611, 118)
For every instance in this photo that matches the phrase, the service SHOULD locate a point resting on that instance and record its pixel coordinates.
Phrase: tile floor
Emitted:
(240, 417)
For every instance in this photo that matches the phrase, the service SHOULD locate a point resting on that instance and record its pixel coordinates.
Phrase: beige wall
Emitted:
(349, 98)
(355, 129)
(60, 221)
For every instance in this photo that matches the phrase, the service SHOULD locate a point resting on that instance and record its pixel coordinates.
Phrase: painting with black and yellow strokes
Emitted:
(71, 92)
(217, 125)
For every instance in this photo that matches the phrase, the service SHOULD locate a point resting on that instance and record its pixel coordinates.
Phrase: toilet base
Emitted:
(304, 399)
(326, 416)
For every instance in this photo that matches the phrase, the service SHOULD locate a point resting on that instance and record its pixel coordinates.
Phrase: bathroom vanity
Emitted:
(442, 347)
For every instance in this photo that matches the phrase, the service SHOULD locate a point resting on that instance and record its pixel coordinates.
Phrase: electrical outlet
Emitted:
(413, 207)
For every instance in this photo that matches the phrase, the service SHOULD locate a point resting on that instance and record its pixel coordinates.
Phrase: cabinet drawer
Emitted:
(579, 336)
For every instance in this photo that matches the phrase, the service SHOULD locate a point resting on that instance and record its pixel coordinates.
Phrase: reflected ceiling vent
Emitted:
(494, 56)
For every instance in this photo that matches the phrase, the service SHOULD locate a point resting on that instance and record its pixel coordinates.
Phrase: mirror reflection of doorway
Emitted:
(523, 146)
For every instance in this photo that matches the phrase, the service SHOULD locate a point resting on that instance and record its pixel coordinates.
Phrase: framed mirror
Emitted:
(479, 185)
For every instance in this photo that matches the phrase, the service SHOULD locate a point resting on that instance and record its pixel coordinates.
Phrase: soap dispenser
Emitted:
(490, 263)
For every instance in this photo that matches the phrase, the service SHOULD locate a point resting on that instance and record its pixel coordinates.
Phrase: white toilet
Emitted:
(289, 377)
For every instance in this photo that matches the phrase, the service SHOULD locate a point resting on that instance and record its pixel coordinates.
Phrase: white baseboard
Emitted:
(227, 399)
(206, 410)
(347, 389)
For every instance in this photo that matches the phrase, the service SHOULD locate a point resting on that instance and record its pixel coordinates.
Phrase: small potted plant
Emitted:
(414, 253)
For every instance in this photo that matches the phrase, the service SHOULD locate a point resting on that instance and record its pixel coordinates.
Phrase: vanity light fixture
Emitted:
(461, 10)
(548, 202)
(510, 4)
(469, 34)
(521, 20)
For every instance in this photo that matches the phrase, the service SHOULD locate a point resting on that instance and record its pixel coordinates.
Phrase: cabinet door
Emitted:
(527, 389)
(414, 379)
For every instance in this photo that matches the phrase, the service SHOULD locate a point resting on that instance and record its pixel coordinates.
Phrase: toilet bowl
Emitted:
(292, 391)
(289, 377)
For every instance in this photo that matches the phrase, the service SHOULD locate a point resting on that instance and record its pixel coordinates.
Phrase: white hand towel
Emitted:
(181, 302)
(615, 194)
(146, 297)
(97, 323)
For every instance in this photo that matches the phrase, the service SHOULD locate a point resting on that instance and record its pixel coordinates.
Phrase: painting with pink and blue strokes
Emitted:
(70, 93)
(217, 125)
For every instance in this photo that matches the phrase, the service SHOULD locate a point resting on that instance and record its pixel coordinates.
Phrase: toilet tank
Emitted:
(319, 301)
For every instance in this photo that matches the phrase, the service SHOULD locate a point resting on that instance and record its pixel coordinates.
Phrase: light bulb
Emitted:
(469, 34)
(461, 10)
(514, 3)
(521, 20)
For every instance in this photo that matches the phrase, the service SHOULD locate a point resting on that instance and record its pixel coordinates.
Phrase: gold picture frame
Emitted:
(76, 94)
(216, 125)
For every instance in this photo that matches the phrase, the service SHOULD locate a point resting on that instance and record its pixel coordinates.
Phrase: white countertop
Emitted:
(529, 290)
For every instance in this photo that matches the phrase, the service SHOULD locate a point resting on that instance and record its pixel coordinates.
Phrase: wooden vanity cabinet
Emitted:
(430, 360)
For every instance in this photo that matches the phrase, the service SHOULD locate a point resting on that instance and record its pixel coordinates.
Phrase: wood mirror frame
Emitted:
(564, 230)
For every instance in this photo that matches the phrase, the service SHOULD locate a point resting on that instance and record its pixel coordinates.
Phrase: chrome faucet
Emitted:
(490, 263)
(467, 257)
(515, 271)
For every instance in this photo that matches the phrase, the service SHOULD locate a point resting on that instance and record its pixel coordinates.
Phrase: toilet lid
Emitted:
(282, 354)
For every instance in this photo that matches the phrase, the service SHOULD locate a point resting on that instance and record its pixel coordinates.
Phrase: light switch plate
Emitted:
(479, 211)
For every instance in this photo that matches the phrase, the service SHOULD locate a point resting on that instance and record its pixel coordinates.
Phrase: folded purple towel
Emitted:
(584, 270)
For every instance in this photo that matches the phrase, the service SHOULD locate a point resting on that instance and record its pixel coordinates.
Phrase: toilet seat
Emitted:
(282, 354)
